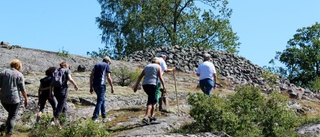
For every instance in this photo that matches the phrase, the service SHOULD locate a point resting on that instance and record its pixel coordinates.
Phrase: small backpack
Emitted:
(58, 78)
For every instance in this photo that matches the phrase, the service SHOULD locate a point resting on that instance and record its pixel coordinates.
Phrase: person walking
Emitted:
(151, 73)
(61, 92)
(45, 94)
(100, 73)
(162, 60)
(11, 85)
(207, 75)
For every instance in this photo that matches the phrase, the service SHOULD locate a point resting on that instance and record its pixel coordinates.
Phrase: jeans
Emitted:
(206, 85)
(101, 102)
(13, 111)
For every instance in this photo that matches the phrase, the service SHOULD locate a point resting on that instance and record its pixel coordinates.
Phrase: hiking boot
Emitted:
(152, 119)
(145, 121)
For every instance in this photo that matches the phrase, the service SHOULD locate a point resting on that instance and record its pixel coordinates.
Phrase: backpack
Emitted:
(58, 78)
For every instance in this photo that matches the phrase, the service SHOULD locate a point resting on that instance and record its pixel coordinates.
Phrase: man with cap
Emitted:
(162, 58)
(207, 75)
(100, 74)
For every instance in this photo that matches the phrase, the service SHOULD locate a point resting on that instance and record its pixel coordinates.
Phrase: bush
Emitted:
(246, 113)
(63, 53)
(125, 76)
(70, 129)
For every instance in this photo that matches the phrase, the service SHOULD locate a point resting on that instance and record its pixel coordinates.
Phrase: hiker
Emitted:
(11, 84)
(151, 73)
(100, 74)
(162, 59)
(45, 94)
(207, 75)
(61, 93)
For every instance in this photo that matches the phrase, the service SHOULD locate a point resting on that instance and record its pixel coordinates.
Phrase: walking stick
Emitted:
(175, 88)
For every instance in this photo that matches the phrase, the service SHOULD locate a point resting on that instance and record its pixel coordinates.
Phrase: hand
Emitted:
(112, 90)
(25, 102)
(76, 87)
(164, 90)
(135, 88)
(174, 68)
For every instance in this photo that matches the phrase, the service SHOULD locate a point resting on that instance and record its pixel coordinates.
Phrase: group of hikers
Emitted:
(12, 84)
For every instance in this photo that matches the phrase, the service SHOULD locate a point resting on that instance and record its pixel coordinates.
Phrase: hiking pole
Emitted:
(175, 88)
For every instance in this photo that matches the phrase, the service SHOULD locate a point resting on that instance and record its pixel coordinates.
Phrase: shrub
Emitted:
(84, 128)
(246, 113)
(125, 76)
(63, 53)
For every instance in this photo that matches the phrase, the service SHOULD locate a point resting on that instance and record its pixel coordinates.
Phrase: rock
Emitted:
(81, 68)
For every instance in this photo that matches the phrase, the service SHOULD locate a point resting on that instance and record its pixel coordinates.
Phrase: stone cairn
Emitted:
(230, 67)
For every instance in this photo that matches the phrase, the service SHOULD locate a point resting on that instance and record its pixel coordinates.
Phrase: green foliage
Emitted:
(246, 113)
(85, 129)
(302, 56)
(125, 76)
(70, 129)
(315, 84)
(129, 26)
(63, 53)
(270, 78)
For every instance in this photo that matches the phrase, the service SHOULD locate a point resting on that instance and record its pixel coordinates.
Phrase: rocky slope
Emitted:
(233, 70)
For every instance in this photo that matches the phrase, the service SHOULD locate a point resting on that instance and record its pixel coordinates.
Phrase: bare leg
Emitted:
(153, 110)
(148, 111)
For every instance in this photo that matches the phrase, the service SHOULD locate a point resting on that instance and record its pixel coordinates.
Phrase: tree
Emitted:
(132, 25)
(302, 56)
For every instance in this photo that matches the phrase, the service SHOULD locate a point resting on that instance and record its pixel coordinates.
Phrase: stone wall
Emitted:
(230, 67)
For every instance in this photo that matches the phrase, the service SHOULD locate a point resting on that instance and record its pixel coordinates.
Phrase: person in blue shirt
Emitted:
(100, 74)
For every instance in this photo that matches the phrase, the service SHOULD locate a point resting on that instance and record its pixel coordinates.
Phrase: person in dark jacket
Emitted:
(45, 94)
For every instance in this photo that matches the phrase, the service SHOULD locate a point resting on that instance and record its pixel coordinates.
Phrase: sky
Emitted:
(263, 27)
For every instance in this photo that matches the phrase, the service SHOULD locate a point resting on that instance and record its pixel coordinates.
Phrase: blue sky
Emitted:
(264, 27)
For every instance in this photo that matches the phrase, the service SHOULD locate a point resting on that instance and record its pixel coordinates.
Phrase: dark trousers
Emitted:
(61, 95)
(151, 92)
(12, 114)
(44, 96)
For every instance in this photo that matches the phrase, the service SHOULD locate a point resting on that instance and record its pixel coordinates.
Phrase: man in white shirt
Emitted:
(162, 59)
(207, 75)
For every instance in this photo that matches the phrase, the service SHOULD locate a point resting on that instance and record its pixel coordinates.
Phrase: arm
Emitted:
(39, 92)
(135, 87)
(91, 82)
(170, 70)
(110, 82)
(161, 79)
(24, 94)
(215, 80)
(73, 83)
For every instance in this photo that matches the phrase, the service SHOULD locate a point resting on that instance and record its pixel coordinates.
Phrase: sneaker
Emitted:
(96, 121)
(52, 123)
(152, 119)
(104, 120)
(145, 121)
